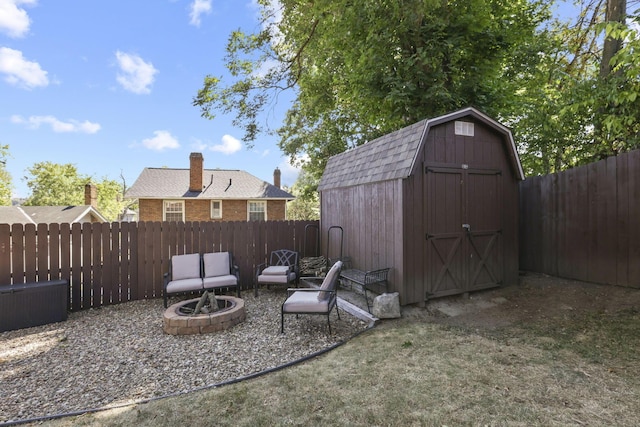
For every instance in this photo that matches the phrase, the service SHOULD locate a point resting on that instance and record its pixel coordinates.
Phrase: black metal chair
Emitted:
(314, 300)
(282, 269)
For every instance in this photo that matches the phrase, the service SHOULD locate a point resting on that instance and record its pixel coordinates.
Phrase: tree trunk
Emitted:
(616, 12)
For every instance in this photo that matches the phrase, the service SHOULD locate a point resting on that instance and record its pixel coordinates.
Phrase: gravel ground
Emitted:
(118, 354)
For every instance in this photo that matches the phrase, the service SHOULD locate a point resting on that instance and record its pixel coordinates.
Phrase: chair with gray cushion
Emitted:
(220, 272)
(314, 300)
(185, 275)
(282, 269)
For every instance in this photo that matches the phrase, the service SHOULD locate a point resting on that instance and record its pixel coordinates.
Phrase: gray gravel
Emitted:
(118, 354)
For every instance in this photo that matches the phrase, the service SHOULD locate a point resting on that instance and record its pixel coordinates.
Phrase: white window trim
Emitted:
(164, 208)
(211, 206)
(261, 202)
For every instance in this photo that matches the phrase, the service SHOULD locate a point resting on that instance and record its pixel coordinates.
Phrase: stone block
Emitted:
(387, 306)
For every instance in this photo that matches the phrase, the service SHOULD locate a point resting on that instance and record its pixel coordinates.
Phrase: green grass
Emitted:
(574, 371)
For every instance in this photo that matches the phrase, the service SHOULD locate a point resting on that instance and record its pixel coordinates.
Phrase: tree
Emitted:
(306, 205)
(363, 68)
(582, 104)
(54, 184)
(6, 185)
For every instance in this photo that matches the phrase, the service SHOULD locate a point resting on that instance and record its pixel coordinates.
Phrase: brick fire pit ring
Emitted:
(176, 323)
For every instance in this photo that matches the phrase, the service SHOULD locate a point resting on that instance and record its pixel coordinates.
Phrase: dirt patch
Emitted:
(537, 298)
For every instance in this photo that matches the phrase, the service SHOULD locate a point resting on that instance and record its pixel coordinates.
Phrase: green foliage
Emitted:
(364, 68)
(6, 185)
(360, 69)
(110, 203)
(54, 184)
(306, 205)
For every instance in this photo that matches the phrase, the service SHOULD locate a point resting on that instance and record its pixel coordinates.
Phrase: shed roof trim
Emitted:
(394, 155)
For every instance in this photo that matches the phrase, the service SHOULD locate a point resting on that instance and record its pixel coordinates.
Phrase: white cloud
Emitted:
(135, 75)
(198, 8)
(20, 72)
(289, 173)
(14, 20)
(161, 141)
(229, 145)
(58, 126)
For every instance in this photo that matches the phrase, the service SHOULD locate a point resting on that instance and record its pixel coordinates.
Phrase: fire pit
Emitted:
(179, 320)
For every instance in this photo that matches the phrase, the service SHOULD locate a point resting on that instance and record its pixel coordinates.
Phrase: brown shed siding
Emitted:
(371, 217)
(483, 153)
(439, 207)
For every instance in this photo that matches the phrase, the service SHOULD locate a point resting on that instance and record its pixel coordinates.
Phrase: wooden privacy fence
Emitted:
(584, 223)
(110, 263)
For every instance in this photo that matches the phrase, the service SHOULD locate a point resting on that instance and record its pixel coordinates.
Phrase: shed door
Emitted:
(463, 230)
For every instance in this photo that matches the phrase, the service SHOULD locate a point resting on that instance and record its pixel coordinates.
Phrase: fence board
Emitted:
(54, 252)
(76, 266)
(30, 259)
(42, 238)
(5, 254)
(589, 228)
(112, 263)
(633, 231)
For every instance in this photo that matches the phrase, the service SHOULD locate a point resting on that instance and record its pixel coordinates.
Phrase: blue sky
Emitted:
(108, 86)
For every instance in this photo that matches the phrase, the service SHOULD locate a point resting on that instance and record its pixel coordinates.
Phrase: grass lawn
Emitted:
(578, 369)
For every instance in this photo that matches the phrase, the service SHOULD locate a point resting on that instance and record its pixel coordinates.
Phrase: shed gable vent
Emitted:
(464, 128)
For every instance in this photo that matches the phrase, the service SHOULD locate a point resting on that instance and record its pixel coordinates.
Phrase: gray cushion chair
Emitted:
(282, 269)
(197, 273)
(314, 300)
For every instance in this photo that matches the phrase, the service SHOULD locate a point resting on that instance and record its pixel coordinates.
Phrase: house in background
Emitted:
(198, 194)
(55, 214)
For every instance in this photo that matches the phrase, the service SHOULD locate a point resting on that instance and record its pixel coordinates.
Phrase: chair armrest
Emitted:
(292, 290)
(165, 280)
(261, 267)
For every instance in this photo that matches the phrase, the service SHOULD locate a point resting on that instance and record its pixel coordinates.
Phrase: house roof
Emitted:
(47, 214)
(393, 156)
(165, 183)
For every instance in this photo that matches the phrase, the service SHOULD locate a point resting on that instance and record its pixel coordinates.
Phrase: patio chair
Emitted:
(219, 272)
(185, 275)
(314, 300)
(282, 269)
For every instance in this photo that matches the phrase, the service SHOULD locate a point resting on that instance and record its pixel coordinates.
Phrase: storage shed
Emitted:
(436, 201)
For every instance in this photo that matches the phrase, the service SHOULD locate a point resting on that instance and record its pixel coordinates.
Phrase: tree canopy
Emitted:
(364, 68)
(6, 185)
(54, 184)
(360, 69)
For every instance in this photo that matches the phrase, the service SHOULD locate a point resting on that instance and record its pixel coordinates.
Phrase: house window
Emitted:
(173, 210)
(216, 209)
(257, 211)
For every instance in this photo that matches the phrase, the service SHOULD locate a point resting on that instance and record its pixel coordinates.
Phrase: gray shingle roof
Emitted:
(385, 158)
(168, 183)
(392, 156)
(46, 214)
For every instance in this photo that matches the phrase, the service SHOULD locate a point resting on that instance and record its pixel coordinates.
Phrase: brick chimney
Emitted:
(91, 195)
(195, 171)
(276, 177)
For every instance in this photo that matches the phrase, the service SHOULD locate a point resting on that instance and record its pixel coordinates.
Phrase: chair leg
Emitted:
(329, 321)
(366, 298)
(281, 322)
(165, 299)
